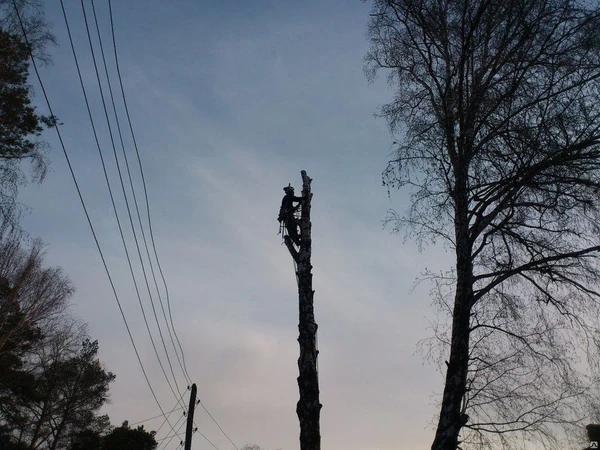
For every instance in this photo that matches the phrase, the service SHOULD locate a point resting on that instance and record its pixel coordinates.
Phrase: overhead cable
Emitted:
(137, 209)
(124, 194)
(82, 200)
(182, 361)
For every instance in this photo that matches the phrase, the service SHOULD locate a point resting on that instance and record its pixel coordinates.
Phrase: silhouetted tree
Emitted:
(126, 438)
(67, 386)
(33, 299)
(20, 125)
(104, 437)
(498, 104)
(90, 438)
(36, 26)
(70, 390)
(51, 382)
(31, 295)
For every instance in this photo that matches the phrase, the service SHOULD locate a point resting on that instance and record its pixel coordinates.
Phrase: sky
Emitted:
(229, 102)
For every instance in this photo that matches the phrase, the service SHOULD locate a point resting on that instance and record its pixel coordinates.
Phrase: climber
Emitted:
(286, 213)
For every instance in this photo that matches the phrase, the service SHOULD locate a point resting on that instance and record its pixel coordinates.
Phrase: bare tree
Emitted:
(497, 102)
(33, 16)
(31, 295)
(34, 326)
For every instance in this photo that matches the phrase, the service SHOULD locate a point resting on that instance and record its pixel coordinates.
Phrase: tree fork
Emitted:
(308, 407)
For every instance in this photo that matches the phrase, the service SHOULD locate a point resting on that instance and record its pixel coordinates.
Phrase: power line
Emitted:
(183, 366)
(217, 424)
(135, 202)
(175, 408)
(172, 436)
(175, 433)
(124, 195)
(206, 439)
(195, 430)
(109, 186)
(81, 199)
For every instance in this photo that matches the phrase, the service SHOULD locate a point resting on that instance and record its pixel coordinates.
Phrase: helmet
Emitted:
(288, 189)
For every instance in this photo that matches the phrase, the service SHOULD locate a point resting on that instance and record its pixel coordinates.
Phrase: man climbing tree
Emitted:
(286, 213)
(308, 407)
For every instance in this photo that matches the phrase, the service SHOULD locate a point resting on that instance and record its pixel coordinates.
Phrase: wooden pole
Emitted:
(190, 419)
(308, 407)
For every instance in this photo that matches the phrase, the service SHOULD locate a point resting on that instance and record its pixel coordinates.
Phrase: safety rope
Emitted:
(283, 232)
(297, 216)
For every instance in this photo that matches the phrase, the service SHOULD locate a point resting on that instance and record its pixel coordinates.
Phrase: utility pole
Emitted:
(190, 419)
(308, 407)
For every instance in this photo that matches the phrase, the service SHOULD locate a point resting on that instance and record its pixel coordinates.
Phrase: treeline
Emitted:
(52, 384)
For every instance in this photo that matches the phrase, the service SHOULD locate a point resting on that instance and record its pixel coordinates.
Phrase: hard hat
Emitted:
(288, 188)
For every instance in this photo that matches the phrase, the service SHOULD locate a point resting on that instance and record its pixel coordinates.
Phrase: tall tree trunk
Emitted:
(308, 407)
(451, 418)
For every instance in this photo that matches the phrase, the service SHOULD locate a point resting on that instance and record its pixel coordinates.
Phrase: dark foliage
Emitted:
(125, 438)
(20, 124)
(52, 384)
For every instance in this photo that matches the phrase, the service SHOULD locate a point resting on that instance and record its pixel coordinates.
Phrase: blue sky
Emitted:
(229, 103)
